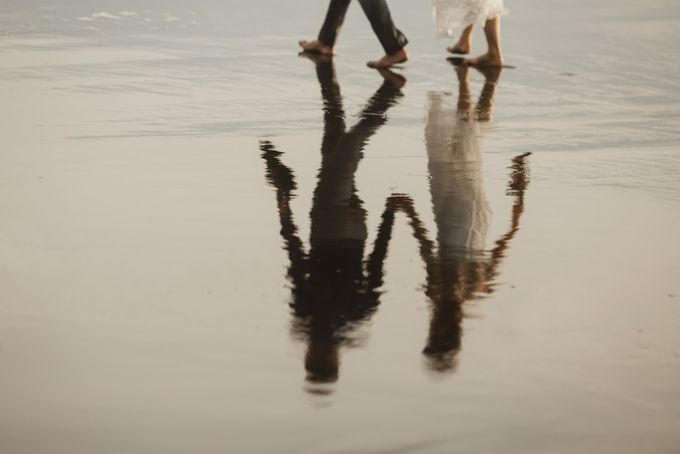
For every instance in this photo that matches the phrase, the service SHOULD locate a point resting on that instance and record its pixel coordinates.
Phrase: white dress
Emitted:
(451, 16)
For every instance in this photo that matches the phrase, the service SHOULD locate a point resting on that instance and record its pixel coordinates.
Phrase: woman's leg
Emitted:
(494, 55)
(464, 43)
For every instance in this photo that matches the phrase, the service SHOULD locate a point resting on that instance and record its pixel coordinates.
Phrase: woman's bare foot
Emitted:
(488, 59)
(459, 48)
(399, 56)
(464, 43)
(316, 46)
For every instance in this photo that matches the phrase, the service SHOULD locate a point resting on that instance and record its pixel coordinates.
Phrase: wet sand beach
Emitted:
(209, 243)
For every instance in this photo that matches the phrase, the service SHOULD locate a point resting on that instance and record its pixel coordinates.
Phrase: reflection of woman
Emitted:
(454, 151)
(334, 288)
(458, 266)
(462, 268)
(453, 15)
(461, 213)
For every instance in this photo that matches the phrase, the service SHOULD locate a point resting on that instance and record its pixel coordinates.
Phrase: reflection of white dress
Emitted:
(452, 16)
(454, 151)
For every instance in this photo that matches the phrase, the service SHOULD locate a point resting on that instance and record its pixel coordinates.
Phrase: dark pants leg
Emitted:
(334, 19)
(378, 14)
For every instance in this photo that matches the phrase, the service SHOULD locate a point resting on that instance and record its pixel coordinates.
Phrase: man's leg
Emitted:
(391, 38)
(335, 16)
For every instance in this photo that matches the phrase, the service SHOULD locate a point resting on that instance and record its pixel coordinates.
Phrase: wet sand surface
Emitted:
(211, 244)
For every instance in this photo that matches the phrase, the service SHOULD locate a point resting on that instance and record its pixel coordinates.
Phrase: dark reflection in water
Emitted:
(334, 288)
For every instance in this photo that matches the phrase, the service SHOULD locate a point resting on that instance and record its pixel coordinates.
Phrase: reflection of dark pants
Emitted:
(378, 14)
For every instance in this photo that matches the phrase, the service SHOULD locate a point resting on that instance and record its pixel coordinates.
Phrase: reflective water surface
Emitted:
(336, 284)
(211, 243)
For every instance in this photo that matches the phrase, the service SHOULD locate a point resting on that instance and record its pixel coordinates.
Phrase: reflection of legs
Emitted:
(341, 153)
(464, 102)
(464, 43)
(494, 55)
(335, 16)
(392, 39)
(373, 115)
(484, 107)
(333, 113)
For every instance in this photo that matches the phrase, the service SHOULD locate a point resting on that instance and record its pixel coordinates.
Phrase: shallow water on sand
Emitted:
(208, 243)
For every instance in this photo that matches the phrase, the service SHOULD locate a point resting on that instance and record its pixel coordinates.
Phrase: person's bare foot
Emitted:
(396, 80)
(316, 46)
(459, 48)
(487, 59)
(400, 56)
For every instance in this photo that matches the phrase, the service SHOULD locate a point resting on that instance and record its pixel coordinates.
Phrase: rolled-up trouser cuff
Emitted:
(378, 13)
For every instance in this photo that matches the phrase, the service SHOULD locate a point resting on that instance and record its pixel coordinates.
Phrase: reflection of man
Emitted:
(333, 288)
(392, 40)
